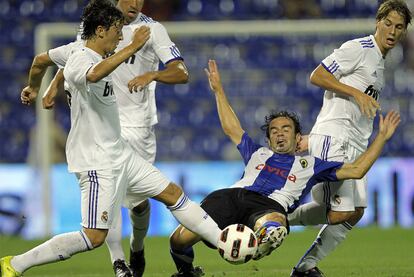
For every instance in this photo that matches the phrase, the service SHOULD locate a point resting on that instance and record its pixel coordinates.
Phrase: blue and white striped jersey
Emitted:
(282, 177)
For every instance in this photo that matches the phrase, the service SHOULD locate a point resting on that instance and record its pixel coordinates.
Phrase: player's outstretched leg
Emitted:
(6, 269)
(140, 217)
(269, 237)
(327, 240)
(58, 248)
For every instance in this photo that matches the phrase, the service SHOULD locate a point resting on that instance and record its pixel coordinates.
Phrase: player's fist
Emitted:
(28, 95)
(140, 36)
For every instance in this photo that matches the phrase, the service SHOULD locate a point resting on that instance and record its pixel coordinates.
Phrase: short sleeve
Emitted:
(344, 60)
(76, 69)
(247, 147)
(60, 55)
(326, 170)
(165, 49)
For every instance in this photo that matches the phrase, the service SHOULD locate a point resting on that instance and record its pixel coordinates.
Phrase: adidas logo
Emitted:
(374, 74)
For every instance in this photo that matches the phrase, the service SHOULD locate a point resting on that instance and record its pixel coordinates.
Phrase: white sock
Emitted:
(327, 240)
(113, 241)
(58, 248)
(194, 218)
(140, 224)
(311, 213)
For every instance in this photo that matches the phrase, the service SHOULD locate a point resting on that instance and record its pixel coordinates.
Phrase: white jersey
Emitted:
(94, 141)
(358, 63)
(282, 177)
(138, 109)
(61, 54)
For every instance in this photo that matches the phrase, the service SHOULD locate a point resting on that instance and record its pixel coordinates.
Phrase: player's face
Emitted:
(389, 31)
(130, 9)
(282, 136)
(112, 37)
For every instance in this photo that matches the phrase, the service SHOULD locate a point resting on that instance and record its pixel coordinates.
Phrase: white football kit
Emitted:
(105, 166)
(341, 131)
(137, 110)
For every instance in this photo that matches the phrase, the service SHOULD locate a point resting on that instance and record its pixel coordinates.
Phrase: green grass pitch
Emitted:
(367, 252)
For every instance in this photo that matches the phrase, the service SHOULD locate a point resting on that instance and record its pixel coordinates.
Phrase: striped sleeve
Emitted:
(344, 60)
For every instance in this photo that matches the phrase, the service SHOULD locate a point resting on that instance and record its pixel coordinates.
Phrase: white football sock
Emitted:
(311, 213)
(140, 224)
(114, 241)
(327, 240)
(194, 218)
(58, 248)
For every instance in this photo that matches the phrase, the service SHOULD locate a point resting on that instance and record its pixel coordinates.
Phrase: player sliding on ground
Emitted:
(274, 179)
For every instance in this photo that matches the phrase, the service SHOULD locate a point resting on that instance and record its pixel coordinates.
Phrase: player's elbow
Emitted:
(183, 76)
(315, 78)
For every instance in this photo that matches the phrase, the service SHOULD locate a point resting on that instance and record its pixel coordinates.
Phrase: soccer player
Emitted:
(353, 77)
(274, 180)
(108, 172)
(138, 114)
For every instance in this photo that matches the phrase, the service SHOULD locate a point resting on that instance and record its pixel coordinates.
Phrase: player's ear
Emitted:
(298, 138)
(99, 32)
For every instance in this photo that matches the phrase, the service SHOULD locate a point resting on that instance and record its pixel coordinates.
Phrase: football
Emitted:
(237, 244)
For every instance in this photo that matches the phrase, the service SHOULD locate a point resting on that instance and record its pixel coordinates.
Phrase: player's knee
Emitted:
(170, 195)
(96, 236)
(356, 216)
(141, 207)
(335, 217)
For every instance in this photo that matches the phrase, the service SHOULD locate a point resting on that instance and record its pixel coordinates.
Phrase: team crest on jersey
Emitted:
(303, 163)
(104, 216)
(337, 199)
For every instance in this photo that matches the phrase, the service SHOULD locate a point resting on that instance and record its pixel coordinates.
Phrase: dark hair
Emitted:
(99, 13)
(293, 116)
(394, 5)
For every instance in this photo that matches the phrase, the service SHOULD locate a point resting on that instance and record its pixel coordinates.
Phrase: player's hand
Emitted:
(140, 36)
(389, 124)
(140, 82)
(213, 76)
(303, 144)
(28, 95)
(367, 104)
(48, 99)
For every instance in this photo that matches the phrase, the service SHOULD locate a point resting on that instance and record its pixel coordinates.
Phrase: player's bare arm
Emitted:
(105, 67)
(324, 79)
(48, 99)
(37, 71)
(360, 167)
(228, 119)
(175, 73)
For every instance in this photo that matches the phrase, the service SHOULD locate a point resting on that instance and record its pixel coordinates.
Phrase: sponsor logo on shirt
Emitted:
(277, 171)
(370, 91)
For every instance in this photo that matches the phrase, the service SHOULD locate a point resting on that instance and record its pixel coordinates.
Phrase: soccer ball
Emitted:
(237, 244)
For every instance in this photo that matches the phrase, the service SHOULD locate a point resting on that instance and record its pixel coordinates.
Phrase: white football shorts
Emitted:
(343, 195)
(142, 140)
(104, 191)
